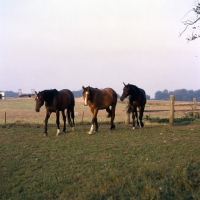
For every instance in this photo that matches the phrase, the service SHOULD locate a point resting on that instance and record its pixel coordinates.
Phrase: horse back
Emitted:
(67, 95)
(105, 98)
(64, 99)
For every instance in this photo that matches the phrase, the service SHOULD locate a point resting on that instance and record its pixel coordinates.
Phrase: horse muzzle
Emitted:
(122, 98)
(37, 110)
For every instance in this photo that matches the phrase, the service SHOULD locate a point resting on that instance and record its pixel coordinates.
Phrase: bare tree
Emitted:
(193, 22)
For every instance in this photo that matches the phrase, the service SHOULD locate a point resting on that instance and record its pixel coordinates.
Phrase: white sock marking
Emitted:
(58, 132)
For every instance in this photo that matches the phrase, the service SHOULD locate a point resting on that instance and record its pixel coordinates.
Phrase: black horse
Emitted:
(99, 100)
(56, 101)
(137, 98)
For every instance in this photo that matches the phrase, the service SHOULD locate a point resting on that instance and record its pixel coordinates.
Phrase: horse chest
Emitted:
(50, 108)
(135, 103)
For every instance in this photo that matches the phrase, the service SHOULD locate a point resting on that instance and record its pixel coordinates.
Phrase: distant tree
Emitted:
(147, 97)
(180, 95)
(158, 95)
(197, 94)
(11, 94)
(77, 93)
(192, 21)
(162, 95)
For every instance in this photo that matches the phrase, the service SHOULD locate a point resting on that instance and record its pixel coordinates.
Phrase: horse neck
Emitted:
(133, 91)
(96, 95)
(93, 92)
(49, 95)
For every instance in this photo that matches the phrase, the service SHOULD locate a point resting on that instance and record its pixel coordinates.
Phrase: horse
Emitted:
(137, 98)
(56, 101)
(98, 100)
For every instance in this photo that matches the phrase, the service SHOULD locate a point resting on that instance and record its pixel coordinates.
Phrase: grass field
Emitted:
(156, 162)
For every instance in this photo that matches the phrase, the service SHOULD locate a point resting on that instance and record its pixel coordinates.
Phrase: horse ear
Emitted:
(83, 87)
(124, 84)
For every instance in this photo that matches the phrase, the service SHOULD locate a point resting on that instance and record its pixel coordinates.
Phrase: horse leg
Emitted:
(109, 112)
(133, 117)
(136, 114)
(72, 116)
(69, 118)
(141, 110)
(46, 121)
(64, 119)
(112, 126)
(58, 122)
(94, 122)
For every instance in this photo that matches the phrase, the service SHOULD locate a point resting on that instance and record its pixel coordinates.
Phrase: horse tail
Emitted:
(72, 109)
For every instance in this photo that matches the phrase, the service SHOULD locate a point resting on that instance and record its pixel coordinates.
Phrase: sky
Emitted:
(69, 44)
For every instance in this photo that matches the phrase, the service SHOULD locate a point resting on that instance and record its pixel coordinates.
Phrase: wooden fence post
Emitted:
(195, 106)
(171, 114)
(127, 115)
(5, 117)
(82, 116)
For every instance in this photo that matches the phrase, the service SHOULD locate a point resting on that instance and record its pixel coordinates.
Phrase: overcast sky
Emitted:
(70, 43)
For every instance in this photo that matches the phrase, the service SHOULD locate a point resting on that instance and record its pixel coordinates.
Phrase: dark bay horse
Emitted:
(137, 98)
(99, 100)
(56, 101)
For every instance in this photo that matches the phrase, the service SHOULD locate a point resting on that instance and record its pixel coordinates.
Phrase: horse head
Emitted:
(86, 94)
(126, 91)
(39, 101)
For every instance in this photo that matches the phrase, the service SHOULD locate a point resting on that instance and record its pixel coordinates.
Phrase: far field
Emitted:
(22, 110)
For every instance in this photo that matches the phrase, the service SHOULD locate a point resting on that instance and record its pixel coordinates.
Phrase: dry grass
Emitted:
(23, 110)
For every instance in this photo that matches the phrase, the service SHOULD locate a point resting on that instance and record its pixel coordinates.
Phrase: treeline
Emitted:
(11, 94)
(16, 94)
(77, 93)
(179, 95)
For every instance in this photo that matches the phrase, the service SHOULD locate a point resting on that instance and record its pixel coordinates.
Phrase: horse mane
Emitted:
(49, 95)
(134, 88)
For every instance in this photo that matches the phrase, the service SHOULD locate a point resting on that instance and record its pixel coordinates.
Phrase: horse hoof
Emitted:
(58, 132)
(112, 127)
(73, 129)
(90, 133)
(133, 128)
(45, 134)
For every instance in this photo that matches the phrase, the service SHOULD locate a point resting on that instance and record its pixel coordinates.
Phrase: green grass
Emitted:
(157, 162)
(185, 120)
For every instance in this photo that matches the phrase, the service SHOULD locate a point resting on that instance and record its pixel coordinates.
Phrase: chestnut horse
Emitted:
(56, 101)
(137, 98)
(99, 100)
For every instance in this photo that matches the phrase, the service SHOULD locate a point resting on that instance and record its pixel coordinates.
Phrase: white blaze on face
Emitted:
(86, 98)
